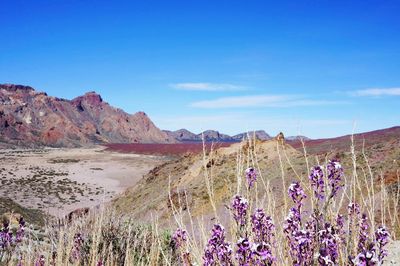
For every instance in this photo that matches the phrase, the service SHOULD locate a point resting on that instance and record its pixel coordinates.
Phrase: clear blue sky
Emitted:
(303, 67)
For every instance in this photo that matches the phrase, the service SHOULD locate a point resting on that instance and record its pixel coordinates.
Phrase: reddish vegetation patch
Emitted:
(164, 149)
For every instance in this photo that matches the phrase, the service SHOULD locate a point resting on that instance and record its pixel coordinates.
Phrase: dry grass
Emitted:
(116, 239)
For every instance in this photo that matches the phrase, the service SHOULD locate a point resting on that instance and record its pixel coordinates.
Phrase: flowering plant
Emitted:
(312, 237)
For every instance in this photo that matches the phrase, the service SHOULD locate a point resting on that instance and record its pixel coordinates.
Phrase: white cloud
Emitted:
(201, 86)
(378, 92)
(261, 101)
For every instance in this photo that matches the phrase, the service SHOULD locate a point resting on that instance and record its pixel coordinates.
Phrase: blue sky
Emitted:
(317, 68)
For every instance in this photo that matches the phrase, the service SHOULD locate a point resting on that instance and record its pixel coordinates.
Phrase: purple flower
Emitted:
(340, 221)
(292, 221)
(317, 182)
(6, 237)
(262, 254)
(304, 247)
(296, 192)
(21, 230)
(239, 207)
(353, 209)
(301, 246)
(179, 238)
(335, 175)
(9, 240)
(243, 252)
(217, 251)
(251, 176)
(329, 250)
(76, 248)
(340, 228)
(323, 258)
(382, 238)
(262, 227)
(40, 261)
(366, 257)
(363, 234)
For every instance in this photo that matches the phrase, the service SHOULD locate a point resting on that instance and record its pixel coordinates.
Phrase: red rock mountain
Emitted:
(31, 118)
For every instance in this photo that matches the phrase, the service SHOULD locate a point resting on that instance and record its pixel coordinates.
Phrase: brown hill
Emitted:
(31, 118)
(343, 143)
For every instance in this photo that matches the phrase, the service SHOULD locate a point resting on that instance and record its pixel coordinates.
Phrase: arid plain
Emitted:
(58, 181)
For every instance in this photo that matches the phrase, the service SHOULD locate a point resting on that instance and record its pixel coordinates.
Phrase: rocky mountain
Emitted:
(212, 135)
(260, 134)
(32, 118)
(183, 135)
(299, 138)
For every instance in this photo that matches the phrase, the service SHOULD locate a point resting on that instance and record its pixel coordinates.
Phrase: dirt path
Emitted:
(59, 181)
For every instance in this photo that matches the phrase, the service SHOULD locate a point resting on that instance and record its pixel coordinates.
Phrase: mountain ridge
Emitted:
(32, 118)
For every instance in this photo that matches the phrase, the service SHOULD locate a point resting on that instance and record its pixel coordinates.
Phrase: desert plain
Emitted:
(61, 180)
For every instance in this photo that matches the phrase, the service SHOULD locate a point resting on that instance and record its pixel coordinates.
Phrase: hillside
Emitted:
(32, 118)
(343, 143)
(188, 187)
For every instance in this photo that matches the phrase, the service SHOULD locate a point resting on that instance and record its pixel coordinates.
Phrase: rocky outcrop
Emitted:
(31, 118)
(280, 138)
(212, 135)
(259, 134)
(183, 135)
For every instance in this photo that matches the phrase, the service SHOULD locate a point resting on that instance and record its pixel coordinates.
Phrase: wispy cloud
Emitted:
(378, 92)
(203, 86)
(261, 101)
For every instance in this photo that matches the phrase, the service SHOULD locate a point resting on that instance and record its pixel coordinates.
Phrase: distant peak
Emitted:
(90, 97)
(209, 131)
(91, 93)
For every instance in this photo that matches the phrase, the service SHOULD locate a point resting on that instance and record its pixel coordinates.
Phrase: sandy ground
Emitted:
(59, 181)
(394, 254)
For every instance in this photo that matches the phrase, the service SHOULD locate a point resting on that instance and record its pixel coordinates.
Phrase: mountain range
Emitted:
(184, 135)
(32, 118)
